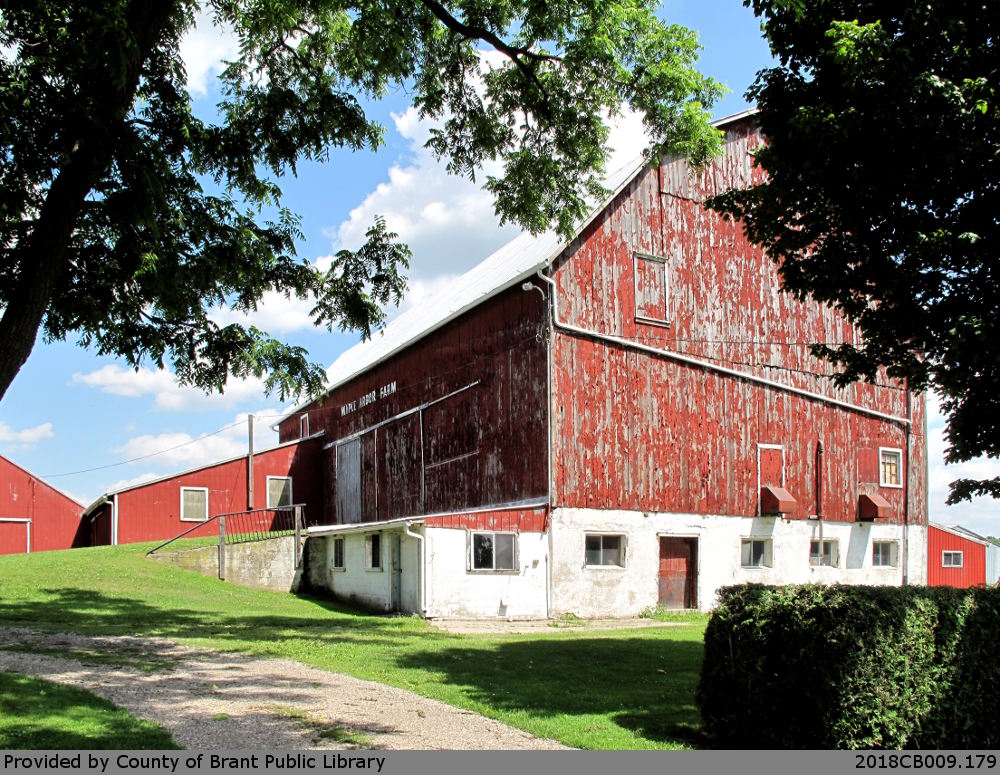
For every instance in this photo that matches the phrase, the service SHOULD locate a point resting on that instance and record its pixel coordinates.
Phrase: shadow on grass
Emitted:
(91, 612)
(646, 685)
(39, 715)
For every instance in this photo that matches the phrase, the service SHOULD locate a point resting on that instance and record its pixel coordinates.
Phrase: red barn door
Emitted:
(678, 578)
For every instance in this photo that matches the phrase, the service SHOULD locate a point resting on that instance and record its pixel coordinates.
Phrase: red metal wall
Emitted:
(504, 520)
(152, 512)
(637, 431)
(973, 570)
(55, 518)
(485, 445)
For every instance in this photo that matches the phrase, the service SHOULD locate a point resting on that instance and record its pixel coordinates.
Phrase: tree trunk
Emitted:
(42, 257)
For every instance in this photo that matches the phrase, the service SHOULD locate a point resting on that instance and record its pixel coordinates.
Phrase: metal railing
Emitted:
(238, 527)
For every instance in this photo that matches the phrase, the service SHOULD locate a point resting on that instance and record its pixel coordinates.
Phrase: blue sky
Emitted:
(72, 417)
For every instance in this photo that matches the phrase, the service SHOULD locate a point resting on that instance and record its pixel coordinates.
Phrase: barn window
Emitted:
(494, 551)
(830, 556)
(884, 554)
(604, 550)
(194, 504)
(650, 275)
(338, 554)
(303, 426)
(890, 467)
(279, 491)
(756, 553)
(373, 551)
(951, 559)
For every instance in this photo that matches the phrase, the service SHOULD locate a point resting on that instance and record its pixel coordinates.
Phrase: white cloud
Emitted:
(173, 451)
(27, 435)
(203, 50)
(275, 313)
(449, 222)
(981, 515)
(161, 384)
(121, 484)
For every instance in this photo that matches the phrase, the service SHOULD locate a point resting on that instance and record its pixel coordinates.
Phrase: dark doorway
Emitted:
(678, 578)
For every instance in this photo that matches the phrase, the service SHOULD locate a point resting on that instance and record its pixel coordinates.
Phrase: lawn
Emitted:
(590, 689)
(39, 715)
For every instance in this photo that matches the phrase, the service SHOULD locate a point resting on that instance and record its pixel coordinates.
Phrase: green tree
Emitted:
(883, 188)
(125, 219)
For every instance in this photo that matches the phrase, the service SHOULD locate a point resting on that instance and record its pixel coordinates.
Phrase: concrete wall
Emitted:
(614, 591)
(359, 585)
(268, 564)
(456, 592)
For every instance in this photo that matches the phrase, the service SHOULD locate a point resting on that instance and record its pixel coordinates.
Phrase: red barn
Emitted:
(163, 508)
(601, 425)
(34, 515)
(955, 557)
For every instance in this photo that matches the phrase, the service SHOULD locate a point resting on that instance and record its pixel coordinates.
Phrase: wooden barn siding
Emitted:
(152, 512)
(483, 446)
(55, 519)
(637, 431)
(973, 570)
(501, 520)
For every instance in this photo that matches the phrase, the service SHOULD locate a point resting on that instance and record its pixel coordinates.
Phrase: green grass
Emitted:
(618, 689)
(41, 715)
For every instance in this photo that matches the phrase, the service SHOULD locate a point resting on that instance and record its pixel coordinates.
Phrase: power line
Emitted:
(159, 452)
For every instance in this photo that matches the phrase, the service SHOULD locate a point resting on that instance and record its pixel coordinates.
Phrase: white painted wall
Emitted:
(369, 587)
(630, 590)
(455, 592)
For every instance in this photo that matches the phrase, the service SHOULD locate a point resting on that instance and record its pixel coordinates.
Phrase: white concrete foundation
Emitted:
(456, 592)
(629, 590)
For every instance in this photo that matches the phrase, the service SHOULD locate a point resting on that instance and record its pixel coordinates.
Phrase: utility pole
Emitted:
(250, 464)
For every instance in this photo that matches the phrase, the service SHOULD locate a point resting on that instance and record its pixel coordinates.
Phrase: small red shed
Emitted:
(954, 558)
(163, 508)
(34, 515)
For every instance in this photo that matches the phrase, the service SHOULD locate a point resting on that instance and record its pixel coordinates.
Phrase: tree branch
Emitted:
(479, 33)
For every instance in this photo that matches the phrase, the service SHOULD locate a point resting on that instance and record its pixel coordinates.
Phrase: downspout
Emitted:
(421, 569)
(819, 498)
(114, 520)
(527, 286)
(714, 367)
(906, 494)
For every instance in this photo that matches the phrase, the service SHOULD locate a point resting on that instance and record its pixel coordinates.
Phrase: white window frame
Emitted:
(953, 552)
(768, 556)
(338, 541)
(471, 553)
(834, 554)
(181, 512)
(291, 498)
(899, 467)
(623, 550)
(638, 256)
(369, 556)
(893, 547)
(304, 425)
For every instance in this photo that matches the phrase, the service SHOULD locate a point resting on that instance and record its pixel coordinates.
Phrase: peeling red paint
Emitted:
(464, 427)
(637, 431)
(504, 520)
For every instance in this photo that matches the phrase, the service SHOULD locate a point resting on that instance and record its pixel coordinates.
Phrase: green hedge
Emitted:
(852, 667)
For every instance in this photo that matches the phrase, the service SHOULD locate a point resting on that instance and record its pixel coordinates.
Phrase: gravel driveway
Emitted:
(220, 700)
